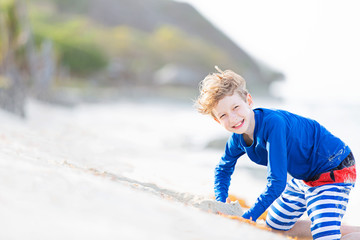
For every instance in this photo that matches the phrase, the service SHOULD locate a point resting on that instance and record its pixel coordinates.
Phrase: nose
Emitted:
(233, 118)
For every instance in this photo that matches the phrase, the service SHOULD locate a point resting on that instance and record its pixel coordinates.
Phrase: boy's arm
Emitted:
(225, 168)
(276, 169)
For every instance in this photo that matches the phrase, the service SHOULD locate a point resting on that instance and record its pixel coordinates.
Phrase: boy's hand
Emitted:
(228, 208)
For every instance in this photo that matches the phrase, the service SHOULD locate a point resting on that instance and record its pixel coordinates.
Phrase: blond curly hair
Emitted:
(216, 86)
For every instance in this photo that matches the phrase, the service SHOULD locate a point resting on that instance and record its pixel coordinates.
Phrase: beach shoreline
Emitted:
(125, 170)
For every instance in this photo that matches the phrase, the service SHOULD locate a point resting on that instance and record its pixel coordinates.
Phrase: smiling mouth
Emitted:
(239, 125)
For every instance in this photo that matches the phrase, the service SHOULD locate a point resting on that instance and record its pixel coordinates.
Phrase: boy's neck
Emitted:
(248, 139)
(249, 136)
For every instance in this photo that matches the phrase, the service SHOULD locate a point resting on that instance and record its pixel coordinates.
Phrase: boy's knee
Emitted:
(277, 224)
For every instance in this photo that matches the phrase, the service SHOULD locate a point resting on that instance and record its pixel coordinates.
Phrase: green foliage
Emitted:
(7, 10)
(86, 48)
(12, 34)
(75, 43)
(9, 24)
(167, 44)
(176, 46)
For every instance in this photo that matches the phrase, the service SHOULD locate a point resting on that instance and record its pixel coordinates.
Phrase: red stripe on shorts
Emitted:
(345, 175)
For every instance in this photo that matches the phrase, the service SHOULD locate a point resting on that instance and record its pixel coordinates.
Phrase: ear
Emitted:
(249, 100)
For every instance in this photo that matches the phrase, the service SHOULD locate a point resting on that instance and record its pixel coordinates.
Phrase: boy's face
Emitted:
(236, 115)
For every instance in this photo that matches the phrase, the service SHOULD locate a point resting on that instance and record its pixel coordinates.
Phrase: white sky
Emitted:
(316, 43)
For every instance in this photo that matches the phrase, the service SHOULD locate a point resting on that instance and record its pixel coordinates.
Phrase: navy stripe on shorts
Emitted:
(325, 206)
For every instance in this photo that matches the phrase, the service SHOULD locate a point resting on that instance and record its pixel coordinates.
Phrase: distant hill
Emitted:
(149, 15)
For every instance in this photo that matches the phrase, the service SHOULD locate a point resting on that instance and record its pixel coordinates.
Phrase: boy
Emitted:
(322, 166)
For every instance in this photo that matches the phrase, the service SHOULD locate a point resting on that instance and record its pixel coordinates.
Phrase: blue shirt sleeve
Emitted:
(225, 168)
(275, 137)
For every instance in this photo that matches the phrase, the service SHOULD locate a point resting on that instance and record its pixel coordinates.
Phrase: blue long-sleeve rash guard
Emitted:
(285, 143)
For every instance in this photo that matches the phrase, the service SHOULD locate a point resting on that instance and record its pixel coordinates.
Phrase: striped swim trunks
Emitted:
(324, 198)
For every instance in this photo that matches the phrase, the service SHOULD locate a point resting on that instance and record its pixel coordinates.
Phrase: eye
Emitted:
(236, 106)
(221, 116)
